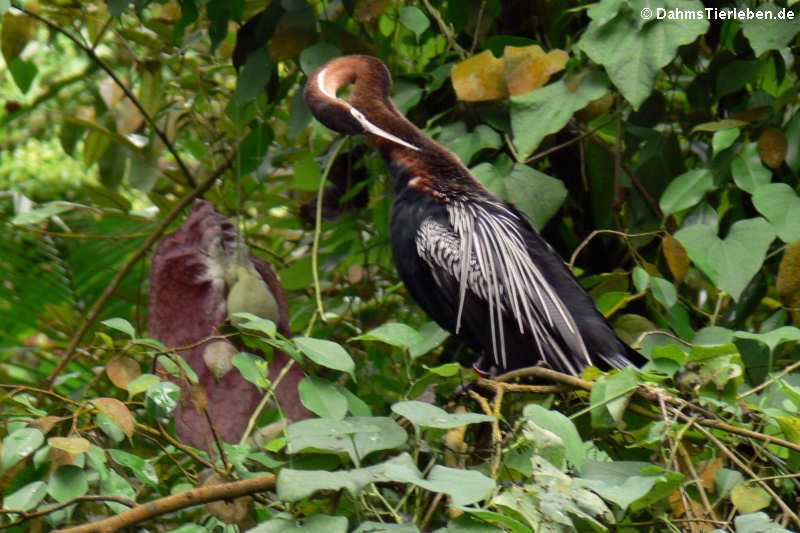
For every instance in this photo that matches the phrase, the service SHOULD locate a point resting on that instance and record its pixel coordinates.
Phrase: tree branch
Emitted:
(175, 502)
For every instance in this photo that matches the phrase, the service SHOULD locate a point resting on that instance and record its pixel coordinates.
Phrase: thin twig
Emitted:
(773, 379)
(597, 232)
(724, 449)
(337, 145)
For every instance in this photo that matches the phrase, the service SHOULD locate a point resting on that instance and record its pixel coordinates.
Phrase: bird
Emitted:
(472, 261)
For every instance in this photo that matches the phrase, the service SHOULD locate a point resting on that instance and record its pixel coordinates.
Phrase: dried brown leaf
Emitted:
(772, 147)
(122, 370)
(677, 258)
(117, 412)
(369, 10)
(788, 283)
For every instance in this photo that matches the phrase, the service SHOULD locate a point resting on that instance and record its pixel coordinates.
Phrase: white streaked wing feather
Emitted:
(486, 254)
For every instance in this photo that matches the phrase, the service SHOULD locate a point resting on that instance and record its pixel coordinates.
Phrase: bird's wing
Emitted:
(485, 251)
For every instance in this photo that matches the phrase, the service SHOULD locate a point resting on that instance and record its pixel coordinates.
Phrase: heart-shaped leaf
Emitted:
(730, 263)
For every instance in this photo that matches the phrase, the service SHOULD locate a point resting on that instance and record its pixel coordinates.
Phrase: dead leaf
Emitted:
(291, 36)
(122, 370)
(528, 68)
(117, 412)
(230, 512)
(218, 357)
(199, 396)
(369, 10)
(128, 118)
(479, 78)
(110, 92)
(595, 108)
(772, 147)
(46, 423)
(677, 258)
(788, 283)
(72, 445)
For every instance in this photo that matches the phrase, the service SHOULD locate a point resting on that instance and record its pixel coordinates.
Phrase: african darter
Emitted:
(473, 262)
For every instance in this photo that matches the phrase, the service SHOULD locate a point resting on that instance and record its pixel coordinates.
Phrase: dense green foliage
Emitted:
(665, 153)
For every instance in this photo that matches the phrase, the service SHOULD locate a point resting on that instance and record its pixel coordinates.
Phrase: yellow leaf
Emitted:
(72, 445)
(788, 283)
(479, 78)
(750, 499)
(790, 426)
(122, 370)
(528, 68)
(110, 92)
(117, 412)
(772, 147)
(677, 258)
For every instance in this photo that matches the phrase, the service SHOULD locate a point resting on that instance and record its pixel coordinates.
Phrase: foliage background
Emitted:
(664, 152)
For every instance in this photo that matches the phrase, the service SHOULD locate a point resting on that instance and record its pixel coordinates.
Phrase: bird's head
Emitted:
(369, 105)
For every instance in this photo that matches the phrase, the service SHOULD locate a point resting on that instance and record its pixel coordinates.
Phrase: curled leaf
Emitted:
(528, 68)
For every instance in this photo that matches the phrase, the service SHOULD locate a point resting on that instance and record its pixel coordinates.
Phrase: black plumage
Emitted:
(473, 262)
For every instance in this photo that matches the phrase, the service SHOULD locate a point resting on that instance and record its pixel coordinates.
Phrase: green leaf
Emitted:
(355, 436)
(67, 482)
(294, 485)
(27, 497)
(560, 425)
(664, 291)
(141, 468)
(35, 216)
(781, 205)
(610, 396)
(686, 190)
(321, 397)
(161, 399)
(757, 523)
(23, 72)
(141, 384)
(253, 77)
(393, 333)
(463, 486)
(620, 482)
(306, 173)
(253, 149)
(793, 143)
(748, 171)
(632, 49)
(723, 139)
(113, 483)
(467, 145)
(427, 415)
(317, 55)
(432, 336)
(534, 193)
(254, 369)
(120, 324)
(536, 114)
(19, 444)
(255, 323)
(414, 19)
(771, 32)
(730, 263)
(316, 523)
(772, 338)
(326, 353)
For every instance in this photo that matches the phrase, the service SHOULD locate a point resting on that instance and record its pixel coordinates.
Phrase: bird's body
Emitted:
(473, 262)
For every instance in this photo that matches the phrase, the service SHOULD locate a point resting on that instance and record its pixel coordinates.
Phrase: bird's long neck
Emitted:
(369, 109)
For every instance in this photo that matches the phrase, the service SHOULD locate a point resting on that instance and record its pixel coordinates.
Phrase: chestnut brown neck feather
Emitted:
(369, 108)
